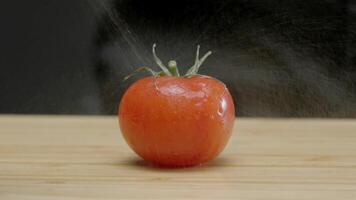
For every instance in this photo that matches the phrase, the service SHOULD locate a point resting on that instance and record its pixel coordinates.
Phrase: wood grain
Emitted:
(77, 157)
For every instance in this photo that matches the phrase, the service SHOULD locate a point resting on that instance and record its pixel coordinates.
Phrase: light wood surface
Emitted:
(75, 157)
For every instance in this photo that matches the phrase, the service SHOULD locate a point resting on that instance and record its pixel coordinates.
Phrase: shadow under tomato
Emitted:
(140, 163)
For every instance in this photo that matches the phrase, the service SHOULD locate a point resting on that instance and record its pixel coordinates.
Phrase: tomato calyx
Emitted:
(193, 70)
(172, 69)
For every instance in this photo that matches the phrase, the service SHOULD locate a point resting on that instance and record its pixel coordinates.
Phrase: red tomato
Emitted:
(177, 121)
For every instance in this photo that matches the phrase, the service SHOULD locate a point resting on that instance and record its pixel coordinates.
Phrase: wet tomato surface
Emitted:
(177, 121)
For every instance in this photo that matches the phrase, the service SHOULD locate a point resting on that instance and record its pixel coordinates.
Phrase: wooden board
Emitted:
(75, 157)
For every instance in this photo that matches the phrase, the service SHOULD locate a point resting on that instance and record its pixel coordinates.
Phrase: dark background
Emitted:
(278, 58)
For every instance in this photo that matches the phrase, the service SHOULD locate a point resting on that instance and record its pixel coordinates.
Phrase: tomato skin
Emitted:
(177, 121)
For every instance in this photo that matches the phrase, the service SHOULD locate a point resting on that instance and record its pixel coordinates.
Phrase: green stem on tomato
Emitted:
(172, 69)
(141, 69)
(159, 62)
(198, 62)
(172, 66)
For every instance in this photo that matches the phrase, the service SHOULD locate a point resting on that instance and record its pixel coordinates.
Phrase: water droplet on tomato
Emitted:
(222, 107)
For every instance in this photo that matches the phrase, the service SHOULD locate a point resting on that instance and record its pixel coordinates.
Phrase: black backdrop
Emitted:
(278, 58)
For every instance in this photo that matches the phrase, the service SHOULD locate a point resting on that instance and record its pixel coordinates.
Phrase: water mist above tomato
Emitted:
(177, 121)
